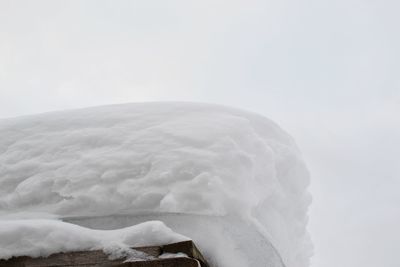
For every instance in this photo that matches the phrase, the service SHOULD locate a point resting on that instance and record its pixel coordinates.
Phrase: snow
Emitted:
(225, 241)
(44, 237)
(172, 255)
(184, 158)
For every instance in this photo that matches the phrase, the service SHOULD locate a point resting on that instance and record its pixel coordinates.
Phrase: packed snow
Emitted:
(37, 238)
(185, 158)
(226, 241)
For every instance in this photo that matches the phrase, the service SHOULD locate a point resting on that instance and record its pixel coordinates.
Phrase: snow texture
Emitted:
(158, 157)
(37, 238)
(225, 241)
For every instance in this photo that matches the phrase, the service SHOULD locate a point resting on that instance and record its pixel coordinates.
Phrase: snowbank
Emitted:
(37, 238)
(158, 157)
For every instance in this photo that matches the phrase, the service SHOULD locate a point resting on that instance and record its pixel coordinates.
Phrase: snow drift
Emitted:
(161, 158)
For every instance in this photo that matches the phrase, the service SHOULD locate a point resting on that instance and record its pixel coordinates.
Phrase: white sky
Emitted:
(327, 71)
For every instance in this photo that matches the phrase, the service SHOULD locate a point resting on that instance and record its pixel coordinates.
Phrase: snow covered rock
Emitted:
(161, 158)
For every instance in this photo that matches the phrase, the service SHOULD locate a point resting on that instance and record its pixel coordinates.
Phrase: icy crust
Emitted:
(158, 157)
(41, 238)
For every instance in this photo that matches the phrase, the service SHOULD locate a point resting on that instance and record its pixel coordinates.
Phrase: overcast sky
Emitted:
(327, 71)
